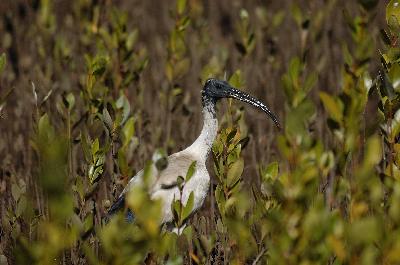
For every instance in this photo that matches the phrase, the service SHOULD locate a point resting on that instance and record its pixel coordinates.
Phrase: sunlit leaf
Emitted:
(187, 209)
(191, 171)
(235, 172)
(332, 106)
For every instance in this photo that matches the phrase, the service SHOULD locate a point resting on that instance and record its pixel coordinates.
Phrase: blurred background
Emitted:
(91, 88)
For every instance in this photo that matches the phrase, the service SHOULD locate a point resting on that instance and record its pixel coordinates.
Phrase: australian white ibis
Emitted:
(163, 183)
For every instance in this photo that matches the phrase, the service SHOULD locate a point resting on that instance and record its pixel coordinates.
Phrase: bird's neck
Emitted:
(204, 142)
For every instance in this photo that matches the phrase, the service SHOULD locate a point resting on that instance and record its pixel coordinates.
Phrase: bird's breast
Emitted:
(199, 185)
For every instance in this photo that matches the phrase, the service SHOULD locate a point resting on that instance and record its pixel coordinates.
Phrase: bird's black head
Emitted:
(215, 89)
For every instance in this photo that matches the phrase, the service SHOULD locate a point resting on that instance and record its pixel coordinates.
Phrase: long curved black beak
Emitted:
(244, 97)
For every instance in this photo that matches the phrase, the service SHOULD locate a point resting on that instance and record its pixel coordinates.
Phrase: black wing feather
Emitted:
(119, 205)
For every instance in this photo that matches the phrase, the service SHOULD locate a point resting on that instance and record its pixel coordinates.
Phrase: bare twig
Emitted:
(262, 252)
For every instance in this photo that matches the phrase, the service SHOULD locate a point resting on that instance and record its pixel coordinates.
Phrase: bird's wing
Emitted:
(178, 165)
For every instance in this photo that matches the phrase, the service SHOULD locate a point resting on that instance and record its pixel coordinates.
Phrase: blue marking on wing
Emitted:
(119, 205)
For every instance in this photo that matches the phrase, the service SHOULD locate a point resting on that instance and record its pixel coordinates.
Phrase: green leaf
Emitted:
(236, 80)
(2, 61)
(191, 171)
(15, 192)
(86, 146)
(294, 69)
(393, 14)
(243, 14)
(271, 171)
(169, 72)
(106, 117)
(21, 206)
(327, 161)
(96, 169)
(131, 39)
(220, 198)
(394, 76)
(179, 181)
(70, 100)
(184, 23)
(128, 131)
(187, 210)
(181, 67)
(373, 152)
(231, 135)
(180, 6)
(79, 187)
(332, 106)
(95, 146)
(220, 227)
(176, 209)
(250, 42)
(310, 82)
(123, 103)
(298, 118)
(358, 231)
(98, 66)
(88, 222)
(278, 18)
(235, 172)
(45, 130)
(122, 163)
(297, 14)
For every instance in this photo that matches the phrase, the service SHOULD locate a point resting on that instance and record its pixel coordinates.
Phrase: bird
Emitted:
(163, 183)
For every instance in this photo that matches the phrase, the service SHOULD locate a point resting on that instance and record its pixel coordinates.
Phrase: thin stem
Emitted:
(69, 143)
(259, 256)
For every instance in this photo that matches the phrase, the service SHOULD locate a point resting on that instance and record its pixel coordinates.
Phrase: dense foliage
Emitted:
(93, 91)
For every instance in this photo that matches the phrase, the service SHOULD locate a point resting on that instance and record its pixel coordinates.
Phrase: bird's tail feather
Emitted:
(116, 207)
(119, 205)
